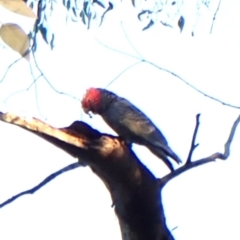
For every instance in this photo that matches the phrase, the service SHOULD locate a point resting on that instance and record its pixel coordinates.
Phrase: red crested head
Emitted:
(92, 100)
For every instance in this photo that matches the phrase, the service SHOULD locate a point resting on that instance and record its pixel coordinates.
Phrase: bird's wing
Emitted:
(144, 129)
(141, 125)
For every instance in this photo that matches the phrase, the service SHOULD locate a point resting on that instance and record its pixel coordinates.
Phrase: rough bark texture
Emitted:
(134, 190)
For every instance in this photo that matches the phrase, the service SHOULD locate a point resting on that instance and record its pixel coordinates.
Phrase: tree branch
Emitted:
(120, 74)
(133, 188)
(215, 14)
(41, 184)
(193, 145)
(22, 90)
(168, 71)
(212, 158)
(49, 82)
(9, 67)
(191, 86)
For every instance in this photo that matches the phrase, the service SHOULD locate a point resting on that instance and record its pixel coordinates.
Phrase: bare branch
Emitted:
(49, 83)
(170, 72)
(191, 86)
(41, 184)
(120, 74)
(215, 14)
(193, 145)
(130, 43)
(133, 188)
(36, 125)
(22, 90)
(26, 54)
(35, 88)
(9, 67)
(212, 158)
(116, 50)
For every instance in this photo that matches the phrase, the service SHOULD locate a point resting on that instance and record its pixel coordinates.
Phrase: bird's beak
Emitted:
(87, 112)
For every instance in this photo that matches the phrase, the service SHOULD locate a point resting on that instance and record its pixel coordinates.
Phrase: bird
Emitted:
(129, 122)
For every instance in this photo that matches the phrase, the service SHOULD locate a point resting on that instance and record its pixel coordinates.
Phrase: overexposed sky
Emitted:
(204, 202)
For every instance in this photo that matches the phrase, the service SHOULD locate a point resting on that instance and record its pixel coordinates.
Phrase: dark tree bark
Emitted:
(135, 192)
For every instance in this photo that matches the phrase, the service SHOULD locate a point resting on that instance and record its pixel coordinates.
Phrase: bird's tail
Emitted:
(164, 151)
(171, 154)
(162, 155)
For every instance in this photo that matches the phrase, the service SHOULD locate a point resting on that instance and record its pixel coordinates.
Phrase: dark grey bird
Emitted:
(129, 122)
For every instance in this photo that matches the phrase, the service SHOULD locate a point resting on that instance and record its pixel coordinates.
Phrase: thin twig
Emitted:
(215, 14)
(113, 80)
(37, 102)
(115, 50)
(23, 55)
(23, 90)
(170, 72)
(49, 83)
(130, 43)
(35, 89)
(191, 86)
(41, 184)
(193, 145)
(4, 75)
(212, 158)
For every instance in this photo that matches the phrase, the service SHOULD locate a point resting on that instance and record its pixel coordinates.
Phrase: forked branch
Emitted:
(189, 164)
(133, 188)
(194, 145)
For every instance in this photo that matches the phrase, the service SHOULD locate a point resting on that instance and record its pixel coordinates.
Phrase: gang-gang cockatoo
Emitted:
(131, 124)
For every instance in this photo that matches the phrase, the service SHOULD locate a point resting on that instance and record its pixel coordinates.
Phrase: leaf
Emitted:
(166, 24)
(85, 7)
(74, 12)
(45, 34)
(82, 15)
(181, 22)
(110, 7)
(42, 5)
(148, 26)
(19, 7)
(99, 3)
(78, 5)
(52, 42)
(15, 38)
(48, 36)
(142, 13)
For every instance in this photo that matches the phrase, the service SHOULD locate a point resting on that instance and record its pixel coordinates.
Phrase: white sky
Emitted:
(203, 203)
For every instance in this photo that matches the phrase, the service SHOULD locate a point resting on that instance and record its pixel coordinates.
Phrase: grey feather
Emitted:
(134, 126)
